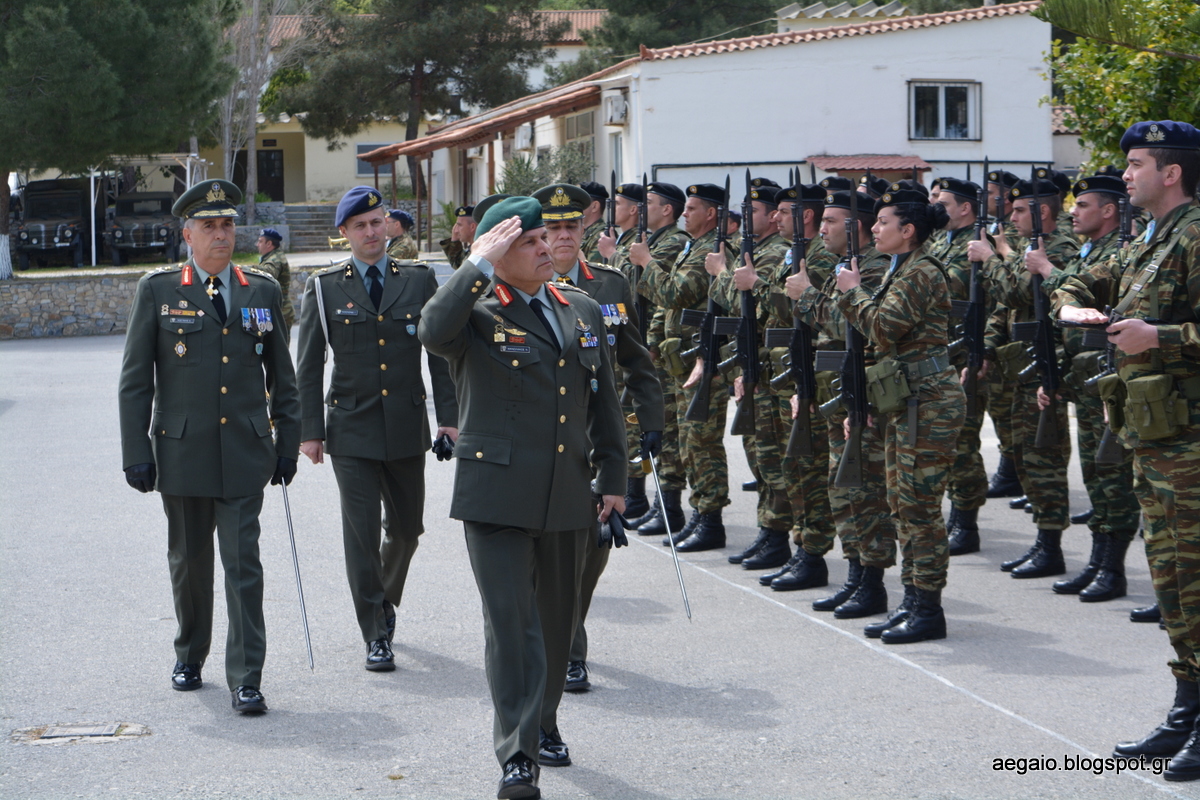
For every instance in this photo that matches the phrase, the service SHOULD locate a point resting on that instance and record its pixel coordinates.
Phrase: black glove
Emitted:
(443, 447)
(612, 531)
(141, 477)
(651, 444)
(285, 470)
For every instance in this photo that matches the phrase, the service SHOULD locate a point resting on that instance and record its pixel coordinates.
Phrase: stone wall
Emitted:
(80, 305)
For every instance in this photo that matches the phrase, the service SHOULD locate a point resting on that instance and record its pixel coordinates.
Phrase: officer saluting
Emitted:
(206, 344)
(535, 383)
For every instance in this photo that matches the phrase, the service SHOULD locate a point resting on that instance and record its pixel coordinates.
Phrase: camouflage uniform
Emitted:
(591, 242)
(455, 252)
(1000, 388)
(910, 321)
(702, 447)
(403, 248)
(275, 264)
(1043, 472)
(1167, 471)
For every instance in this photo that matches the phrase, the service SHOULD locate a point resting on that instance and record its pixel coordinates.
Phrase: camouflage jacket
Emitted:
(769, 254)
(275, 264)
(821, 263)
(665, 244)
(818, 308)
(402, 248)
(682, 285)
(1012, 284)
(591, 242)
(455, 252)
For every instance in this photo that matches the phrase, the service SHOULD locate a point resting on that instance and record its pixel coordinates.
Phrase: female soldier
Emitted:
(914, 384)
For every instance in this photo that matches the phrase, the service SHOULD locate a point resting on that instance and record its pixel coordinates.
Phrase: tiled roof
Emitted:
(841, 31)
(286, 26)
(1058, 119)
(878, 163)
(580, 21)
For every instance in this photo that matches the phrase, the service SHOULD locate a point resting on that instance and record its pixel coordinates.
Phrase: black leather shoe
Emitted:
(924, 623)
(1109, 583)
(1170, 737)
(775, 552)
(248, 700)
(520, 780)
(765, 580)
(964, 533)
(186, 677)
(709, 534)
(1018, 502)
(380, 657)
(750, 486)
(869, 598)
(876, 629)
(1082, 517)
(577, 677)
(552, 750)
(853, 576)
(1005, 482)
(651, 513)
(755, 546)
(810, 572)
(1047, 561)
(1146, 614)
(1080, 582)
(685, 531)
(389, 617)
(1009, 566)
(1028, 507)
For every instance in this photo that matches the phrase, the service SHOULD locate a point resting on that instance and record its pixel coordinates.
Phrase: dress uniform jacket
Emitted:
(376, 399)
(193, 392)
(528, 411)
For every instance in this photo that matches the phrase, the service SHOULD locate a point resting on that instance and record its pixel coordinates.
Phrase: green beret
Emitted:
(483, 205)
(562, 201)
(528, 209)
(208, 200)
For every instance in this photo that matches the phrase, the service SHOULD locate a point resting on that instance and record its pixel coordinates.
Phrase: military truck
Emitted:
(55, 221)
(142, 222)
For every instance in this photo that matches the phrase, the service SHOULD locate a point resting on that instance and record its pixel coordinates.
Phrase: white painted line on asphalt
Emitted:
(889, 653)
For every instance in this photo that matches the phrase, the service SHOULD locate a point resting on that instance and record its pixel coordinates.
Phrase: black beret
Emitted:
(801, 192)
(900, 196)
(966, 189)
(272, 234)
(1109, 169)
(208, 200)
(667, 190)
(359, 200)
(1059, 179)
(483, 205)
(836, 183)
(706, 191)
(464, 211)
(528, 209)
(764, 194)
(562, 201)
(1167, 134)
(596, 190)
(631, 191)
(866, 203)
(876, 186)
(736, 216)
(1024, 189)
(1100, 183)
(758, 182)
(908, 184)
(1003, 177)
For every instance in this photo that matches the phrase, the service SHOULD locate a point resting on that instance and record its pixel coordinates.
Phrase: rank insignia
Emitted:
(185, 276)
(504, 295)
(395, 268)
(180, 348)
(349, 269)
(349, 305)
(241, 277)
(166, 309)
(412, 329)
(557, 294)
(498, 336)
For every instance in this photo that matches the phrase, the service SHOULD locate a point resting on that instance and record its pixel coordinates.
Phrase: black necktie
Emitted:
(539, 308)
(214, 286)
(376, 289)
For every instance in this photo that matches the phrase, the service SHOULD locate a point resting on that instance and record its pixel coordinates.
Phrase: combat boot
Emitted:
(636, 503)
(709, 534)
(810, 572)
(755, 546)
(1005, 482)
(869, 598)
(683, 532)
(1170, 737)
(874, 630)
(1185, 766)
(675, 519)
(1082, 517)
(775, 552)
(651, 514)
(1083, 580)
(765, 580)
(951, 519)
(1110, 580)
(926, 621)
(1018, 502)
(1047, 561)
(854, 573)
(1146, 614)
(964, 535)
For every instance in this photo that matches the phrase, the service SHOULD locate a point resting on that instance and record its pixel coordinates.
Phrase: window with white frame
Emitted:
(943, 110)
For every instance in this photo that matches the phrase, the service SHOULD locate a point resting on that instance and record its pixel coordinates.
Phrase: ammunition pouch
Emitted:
(1111, 389)
(887, 386)
(781, 364)
(1013, 359)
(728, 364)
(1156, 407)
(669, 352)
(1084, 367)
(825, 390)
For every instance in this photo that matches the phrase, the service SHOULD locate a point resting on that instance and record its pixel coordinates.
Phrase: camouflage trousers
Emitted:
(1043, 472)
(769, 442)
(702, 446)
(917, 471)
(968, 481)
(1000, 400)
(670, 464)
(808, 486)
(1115, 509)
(1167, 482)
(861, 516)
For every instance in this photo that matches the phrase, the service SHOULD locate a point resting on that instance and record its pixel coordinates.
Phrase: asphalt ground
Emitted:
(756, 697)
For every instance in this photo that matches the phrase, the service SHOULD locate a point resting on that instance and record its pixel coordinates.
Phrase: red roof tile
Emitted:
(1059, 120)
(878, 163)
(580, 21)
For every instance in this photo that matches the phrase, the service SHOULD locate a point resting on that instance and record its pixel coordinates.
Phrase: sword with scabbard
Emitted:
(287, 510)
(653, 470)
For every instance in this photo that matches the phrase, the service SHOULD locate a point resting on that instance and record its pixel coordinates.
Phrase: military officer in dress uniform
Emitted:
(272, 261)
(205, 347)
(562, 211)
(457, 246)
(373, 422)
(400, 245)
(540, 416)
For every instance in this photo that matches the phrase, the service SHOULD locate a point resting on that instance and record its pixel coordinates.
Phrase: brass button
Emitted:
(516, 363)
(381, 343)
(224, 390)
(562, 362)
(479, 455)
(408, 316)
(346, 321)
(181, 330)
(560, 448)
(383, 367)
(385, 392)
(224, 359)
(224, 331)
(562, 390)
(380, 318)
(563, 418)
(164, 433)
(474, 289)
(335, 402)
(223, 420)
(479, 283)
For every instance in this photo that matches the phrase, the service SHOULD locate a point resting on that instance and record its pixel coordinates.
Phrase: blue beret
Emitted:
(271, 233)
(400, 215)
(528, 209)
(358, 200)
(1100, 183)
(1167, 134)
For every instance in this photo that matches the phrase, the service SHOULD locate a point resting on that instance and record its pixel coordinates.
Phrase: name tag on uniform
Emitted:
(347, 312)
(508, 348)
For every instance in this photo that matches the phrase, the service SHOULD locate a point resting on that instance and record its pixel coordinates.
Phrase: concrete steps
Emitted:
(311, 226)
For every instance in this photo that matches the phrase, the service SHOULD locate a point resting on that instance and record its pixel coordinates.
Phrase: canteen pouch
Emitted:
(781, 362)
(1154, 408)
(730, 365)
(1085, 365)
(668, 349)
(1112, 392)
(887, 386)
(1013, 358)
(825, 391)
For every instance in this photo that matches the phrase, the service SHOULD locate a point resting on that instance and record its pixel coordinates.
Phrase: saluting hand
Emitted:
(495, 243)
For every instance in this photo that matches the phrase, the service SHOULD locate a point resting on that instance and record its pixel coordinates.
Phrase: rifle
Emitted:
(799, 341)
(639, 299)
(1110, 451)
(1040, 332)
(975, 318)
(852, 380)
(610, 205)
(708, 347)
(747, 334)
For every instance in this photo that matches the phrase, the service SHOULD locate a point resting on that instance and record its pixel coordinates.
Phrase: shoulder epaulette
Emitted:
(604, 268)
(257, 271)
(567, 287)
(332, 268)
(165, 268)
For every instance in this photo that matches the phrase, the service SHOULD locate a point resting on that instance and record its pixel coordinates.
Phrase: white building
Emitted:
(935, 92)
